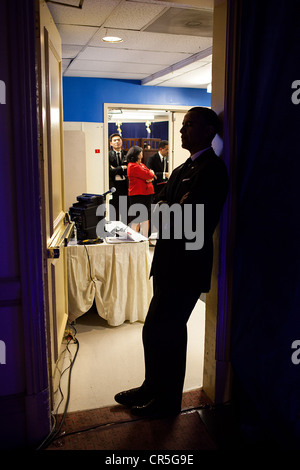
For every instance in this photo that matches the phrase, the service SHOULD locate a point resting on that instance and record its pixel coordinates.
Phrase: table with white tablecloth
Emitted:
(116, 276)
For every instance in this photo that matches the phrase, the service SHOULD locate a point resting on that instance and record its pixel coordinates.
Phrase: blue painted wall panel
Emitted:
(84, 97)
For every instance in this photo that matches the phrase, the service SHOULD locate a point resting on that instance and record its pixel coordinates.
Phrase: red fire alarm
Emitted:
(97, 150)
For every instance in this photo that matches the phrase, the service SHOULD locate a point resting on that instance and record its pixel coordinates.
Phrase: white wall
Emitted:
(94, 162)
(75, 166)
(179, 154)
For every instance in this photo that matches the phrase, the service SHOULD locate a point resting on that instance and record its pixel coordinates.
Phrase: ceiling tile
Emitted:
(78, 35)
(93, 12)
(191, 22)
(111, 75)
(133, 15)
(111, 66)
(197, 78)
(155, 42)
(138, 56)
(65, 63)
(143, 55)
(69, 51)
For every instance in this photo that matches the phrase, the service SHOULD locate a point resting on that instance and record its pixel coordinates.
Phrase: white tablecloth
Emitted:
(115, 275)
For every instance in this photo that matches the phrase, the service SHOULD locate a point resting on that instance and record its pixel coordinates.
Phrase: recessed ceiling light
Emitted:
(112, 39)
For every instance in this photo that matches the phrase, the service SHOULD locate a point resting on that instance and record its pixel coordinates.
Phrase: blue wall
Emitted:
(84, 97)
(159, 130)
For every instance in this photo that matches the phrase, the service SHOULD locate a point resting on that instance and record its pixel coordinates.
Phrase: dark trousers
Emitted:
(165, 343)
(121, 190)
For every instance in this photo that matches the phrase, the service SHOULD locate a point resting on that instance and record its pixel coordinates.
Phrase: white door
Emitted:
(56, 227)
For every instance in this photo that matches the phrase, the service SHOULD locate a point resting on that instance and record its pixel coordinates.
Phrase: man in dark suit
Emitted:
(117, 172)
(160, 165)
(180, 273)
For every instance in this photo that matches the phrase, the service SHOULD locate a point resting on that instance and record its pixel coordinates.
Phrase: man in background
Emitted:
(160, 165)
(117, 172)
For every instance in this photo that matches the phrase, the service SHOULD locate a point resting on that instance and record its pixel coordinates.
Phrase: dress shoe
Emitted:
(154, 409)
(133, 397)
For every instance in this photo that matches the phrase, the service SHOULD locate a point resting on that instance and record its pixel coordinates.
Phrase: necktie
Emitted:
(119, 158)
(185, 169)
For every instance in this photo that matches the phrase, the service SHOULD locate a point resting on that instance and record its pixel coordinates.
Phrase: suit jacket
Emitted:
(154, 163)
(117, 168)
(203, 181)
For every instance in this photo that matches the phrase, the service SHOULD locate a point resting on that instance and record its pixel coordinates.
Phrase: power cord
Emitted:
(56, 430)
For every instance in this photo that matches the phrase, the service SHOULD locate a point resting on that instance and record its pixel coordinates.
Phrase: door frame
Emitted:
(24, 88)
(55, 225)
(25, 153)
(148, 107)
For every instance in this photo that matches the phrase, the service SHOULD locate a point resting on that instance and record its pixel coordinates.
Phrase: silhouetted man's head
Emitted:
(199, 127)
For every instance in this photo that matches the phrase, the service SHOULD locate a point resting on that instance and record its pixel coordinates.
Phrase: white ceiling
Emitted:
(164, 43)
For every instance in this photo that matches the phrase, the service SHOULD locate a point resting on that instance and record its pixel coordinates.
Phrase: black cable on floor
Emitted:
(55, 431)
(126, 421)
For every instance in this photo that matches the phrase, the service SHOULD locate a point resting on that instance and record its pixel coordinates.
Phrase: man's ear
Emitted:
(210, 131)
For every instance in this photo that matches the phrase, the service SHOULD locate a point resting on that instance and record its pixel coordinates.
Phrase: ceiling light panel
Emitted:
(112, 39)
(152, 42)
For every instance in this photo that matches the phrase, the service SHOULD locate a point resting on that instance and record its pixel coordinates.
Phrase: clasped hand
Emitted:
(154, 177)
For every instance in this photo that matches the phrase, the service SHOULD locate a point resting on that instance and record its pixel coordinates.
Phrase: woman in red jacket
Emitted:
(140, 187)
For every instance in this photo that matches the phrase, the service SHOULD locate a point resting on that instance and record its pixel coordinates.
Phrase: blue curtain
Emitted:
(266, 308)
(159, 130)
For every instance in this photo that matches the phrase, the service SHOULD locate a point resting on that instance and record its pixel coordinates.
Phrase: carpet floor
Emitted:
(115, 428)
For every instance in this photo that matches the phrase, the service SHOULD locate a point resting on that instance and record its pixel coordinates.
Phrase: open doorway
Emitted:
(111, 358)
(128, 113)
(172, 145)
